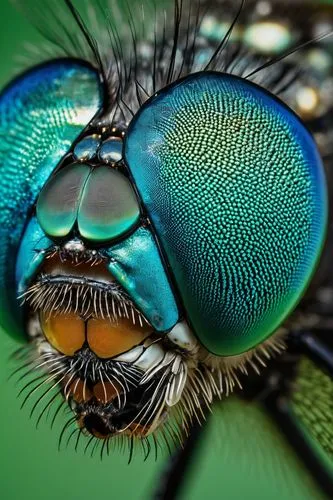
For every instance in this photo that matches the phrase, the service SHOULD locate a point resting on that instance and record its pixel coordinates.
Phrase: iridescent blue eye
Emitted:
(235, 188)
(41, 114)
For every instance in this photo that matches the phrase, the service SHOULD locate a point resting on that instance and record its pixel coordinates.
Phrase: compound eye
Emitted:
(235, 188)
(42, 113)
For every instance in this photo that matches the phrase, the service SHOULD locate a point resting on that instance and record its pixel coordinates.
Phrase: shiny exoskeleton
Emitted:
(164, 214)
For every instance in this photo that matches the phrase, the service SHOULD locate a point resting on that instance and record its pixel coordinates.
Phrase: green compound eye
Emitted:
(235, 189)
(42, 113)
(100, 200)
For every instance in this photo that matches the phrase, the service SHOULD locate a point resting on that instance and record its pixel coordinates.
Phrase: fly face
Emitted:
(162, 221)
(117, 373)
(119, 369)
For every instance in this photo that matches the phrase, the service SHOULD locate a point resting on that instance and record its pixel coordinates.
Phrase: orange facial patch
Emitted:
(107, 339)
(65, 332)
(68, 333)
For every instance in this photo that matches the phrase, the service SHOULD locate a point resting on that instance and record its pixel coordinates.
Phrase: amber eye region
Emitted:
(68, 333)
(65, 332)
(108, 339)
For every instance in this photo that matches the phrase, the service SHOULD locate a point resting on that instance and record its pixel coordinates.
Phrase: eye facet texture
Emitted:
(41, 115)
(235, 189)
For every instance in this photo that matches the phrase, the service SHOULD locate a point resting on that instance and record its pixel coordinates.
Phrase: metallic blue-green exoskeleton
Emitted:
(239, 210)
(161, 220)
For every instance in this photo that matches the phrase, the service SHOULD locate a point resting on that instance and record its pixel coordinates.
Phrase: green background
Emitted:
(242, 455)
